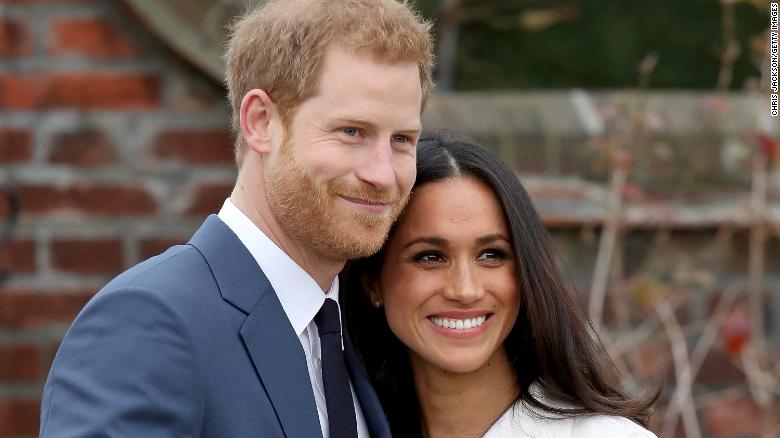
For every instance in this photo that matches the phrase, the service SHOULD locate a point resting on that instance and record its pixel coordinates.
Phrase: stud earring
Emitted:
(377, 303)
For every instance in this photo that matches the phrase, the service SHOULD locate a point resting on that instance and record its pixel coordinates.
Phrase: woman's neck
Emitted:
(464, 404)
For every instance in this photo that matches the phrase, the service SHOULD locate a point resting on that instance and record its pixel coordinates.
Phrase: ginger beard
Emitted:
(317, 216)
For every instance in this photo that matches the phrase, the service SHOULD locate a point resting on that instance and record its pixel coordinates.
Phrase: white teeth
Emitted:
(459, 324)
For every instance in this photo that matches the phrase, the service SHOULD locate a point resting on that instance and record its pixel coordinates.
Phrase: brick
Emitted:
(19, 417)
(15, 39)
(15, 146)
(82, 148)
(85, 91)
(92, 37)
(727, 417)
(20, 362)
(195, 146)
(151, 247)
(18, 256)
(87, 198)
(5, 201)
(208, 198)
(94, 256)
(24, 308)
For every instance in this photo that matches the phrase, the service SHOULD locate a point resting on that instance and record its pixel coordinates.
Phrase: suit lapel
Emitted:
(273, 346)
(369, 402)
(280, 361)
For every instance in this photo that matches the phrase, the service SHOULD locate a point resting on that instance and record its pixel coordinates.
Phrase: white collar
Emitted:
(300, 295)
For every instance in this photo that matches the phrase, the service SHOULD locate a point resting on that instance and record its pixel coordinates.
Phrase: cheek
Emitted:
(322, 168)
(398, 298)
(406, 171)
(403, 294)
(502, 285)
(399, 309)
(508, 293)
(318, 161)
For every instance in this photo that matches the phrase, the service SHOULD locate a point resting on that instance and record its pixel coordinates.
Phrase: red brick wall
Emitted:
(117, 149)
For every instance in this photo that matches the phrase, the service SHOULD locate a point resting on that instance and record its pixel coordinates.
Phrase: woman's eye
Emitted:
(492, 255)
(428, 257)
(352, 132)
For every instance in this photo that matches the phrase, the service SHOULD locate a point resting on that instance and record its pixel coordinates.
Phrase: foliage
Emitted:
(598, 43)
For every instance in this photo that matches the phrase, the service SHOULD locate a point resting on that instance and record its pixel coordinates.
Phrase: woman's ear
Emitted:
(372, 289)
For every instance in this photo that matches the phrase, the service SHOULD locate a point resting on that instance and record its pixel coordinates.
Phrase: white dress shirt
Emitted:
(301, 299)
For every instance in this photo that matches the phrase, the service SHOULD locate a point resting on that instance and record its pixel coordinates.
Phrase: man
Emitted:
(237, 333)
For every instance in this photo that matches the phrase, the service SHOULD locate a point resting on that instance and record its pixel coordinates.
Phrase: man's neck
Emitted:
(464, 404)
(322, 270)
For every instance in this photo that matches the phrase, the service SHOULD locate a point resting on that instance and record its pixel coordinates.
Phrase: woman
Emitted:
(463, 319)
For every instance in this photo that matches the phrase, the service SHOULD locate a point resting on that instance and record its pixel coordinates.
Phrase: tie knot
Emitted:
(327, 319)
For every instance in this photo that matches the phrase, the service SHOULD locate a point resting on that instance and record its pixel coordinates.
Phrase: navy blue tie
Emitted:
(338, 396)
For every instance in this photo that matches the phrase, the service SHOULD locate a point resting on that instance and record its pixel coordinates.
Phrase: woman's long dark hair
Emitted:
(552, 342)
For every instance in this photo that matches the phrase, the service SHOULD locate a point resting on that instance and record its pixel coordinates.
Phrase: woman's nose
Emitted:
(464, 285)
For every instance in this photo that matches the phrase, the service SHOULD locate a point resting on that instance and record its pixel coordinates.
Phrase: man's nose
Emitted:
(378, 169)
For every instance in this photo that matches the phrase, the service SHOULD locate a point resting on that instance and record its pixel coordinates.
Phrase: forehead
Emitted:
(360, 84)
(451, 208)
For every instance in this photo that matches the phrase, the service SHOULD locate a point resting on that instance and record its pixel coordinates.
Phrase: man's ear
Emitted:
(259, 117)
(371, 287)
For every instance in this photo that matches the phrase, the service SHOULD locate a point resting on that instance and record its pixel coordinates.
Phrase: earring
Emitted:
(376, 303)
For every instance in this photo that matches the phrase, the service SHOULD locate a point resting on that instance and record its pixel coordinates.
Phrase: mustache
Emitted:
(368, 194)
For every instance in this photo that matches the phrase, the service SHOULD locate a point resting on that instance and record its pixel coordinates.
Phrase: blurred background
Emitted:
(641, 128)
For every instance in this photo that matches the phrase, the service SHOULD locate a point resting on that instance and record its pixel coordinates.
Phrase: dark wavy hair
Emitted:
(552, 343)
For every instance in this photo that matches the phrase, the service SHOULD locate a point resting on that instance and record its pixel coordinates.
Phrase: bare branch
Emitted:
(701, 350)
(682, 372)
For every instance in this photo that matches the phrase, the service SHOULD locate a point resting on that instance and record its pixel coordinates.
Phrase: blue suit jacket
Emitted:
(191, 343)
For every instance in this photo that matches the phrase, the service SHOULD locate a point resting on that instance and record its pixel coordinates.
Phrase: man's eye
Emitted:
(352, 132)
(399, 138)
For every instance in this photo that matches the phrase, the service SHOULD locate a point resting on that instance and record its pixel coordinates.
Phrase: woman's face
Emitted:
(447, 280)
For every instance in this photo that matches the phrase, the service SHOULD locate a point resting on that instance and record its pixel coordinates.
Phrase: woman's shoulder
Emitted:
(606, 426)
(519, 421)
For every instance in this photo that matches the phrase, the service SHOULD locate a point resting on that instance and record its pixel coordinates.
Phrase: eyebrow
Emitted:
(348, 120)
(492, 238)
(440, 241)
(433, 240)
(415, 128)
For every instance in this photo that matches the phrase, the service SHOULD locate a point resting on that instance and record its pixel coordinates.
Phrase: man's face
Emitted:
(345, 167)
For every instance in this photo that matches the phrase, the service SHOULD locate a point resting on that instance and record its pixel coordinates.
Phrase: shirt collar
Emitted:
(300, 296)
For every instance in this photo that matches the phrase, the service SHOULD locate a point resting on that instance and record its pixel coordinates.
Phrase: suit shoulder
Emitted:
(180, 269)
(177, 261)
(176, 281)
(130, 351)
